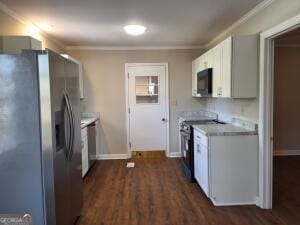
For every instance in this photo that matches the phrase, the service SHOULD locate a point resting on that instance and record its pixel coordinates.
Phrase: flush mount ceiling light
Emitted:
(46, 27)
(135, 30)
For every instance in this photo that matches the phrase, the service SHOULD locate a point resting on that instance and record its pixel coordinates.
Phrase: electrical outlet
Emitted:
(242, 111)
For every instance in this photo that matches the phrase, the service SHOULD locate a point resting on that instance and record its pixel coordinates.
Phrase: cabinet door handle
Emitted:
(198, 148)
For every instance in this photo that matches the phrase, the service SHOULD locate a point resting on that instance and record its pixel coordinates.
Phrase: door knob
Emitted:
(164, 119)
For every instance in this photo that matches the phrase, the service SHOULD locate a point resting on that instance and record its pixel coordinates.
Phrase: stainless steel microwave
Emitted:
(204, 82)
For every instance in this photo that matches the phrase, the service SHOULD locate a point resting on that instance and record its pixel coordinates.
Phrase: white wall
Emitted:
(104, 83)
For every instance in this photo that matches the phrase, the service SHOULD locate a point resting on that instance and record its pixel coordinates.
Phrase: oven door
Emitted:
(186, 148)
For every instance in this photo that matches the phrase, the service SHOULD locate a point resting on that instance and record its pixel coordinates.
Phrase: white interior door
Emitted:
(147, 99)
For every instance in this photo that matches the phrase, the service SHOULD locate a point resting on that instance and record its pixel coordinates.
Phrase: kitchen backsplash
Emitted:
(197, 114)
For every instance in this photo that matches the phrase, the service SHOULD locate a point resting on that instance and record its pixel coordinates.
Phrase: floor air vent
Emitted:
(130, 165)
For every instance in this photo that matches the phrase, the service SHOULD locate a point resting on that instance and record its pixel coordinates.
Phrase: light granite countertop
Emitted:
(89, 118)
(87, 121)
(195, 118)
(223, 130)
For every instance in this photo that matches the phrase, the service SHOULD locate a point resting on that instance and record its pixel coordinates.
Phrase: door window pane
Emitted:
(146, 89)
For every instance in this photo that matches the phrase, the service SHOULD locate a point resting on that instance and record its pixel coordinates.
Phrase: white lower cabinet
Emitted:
(201, 161)
(226, 168)
(85, 151)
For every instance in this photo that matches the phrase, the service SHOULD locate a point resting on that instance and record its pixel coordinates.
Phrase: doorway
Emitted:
(147, 102)
(266, 104)
(286, 126)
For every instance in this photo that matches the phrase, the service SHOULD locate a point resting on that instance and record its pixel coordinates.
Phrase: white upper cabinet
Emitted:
(209, 60)
(201, 63)
(226, 59)
(222, 69)
(196, 66)
(217, 71)
(235, 67)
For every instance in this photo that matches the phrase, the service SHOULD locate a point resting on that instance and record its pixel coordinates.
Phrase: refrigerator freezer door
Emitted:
(21, 189)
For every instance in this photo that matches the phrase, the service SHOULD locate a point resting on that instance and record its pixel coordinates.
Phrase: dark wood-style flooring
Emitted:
(156, 192)
(286, 189)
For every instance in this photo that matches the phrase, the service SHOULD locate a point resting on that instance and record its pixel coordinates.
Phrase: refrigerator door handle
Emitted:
(68, 146)
(70, 154)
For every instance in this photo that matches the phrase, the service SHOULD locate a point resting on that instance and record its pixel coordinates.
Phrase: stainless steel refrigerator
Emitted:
(40, 146)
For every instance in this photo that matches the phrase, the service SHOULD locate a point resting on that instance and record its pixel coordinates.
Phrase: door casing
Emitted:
(127, 65)
(265, 127)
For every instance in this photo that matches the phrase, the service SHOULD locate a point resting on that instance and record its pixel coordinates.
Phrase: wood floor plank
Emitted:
(156, 192)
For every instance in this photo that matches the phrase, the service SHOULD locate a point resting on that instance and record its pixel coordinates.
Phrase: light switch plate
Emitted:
(173, 102)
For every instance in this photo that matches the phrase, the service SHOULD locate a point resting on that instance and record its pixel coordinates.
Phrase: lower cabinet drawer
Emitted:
(201, 138)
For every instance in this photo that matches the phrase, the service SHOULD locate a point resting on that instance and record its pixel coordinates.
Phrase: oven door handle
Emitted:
(182, 133)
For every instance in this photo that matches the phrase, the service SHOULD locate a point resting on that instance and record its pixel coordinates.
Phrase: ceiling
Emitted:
(100, 22)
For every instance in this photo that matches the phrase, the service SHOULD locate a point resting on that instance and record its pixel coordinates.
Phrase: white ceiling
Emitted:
(100, 22)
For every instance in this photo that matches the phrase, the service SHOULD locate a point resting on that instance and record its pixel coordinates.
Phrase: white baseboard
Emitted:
(84, 172)
(112, 156)
(286, 152)
(174, 155)
(257, 201)
(233, 203)
(127, 156)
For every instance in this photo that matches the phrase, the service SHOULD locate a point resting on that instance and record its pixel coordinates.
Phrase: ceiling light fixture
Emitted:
(135, 30)
(46, 27)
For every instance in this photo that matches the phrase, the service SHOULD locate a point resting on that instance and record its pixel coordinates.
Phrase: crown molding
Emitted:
(258, 8)
(26, 22)
(116, 48)
(12, 13)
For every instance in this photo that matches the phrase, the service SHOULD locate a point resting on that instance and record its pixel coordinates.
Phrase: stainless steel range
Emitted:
(187, 145)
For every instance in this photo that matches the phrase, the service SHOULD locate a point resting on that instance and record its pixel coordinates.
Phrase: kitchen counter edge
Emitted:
(223, 130)
(88, 121)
